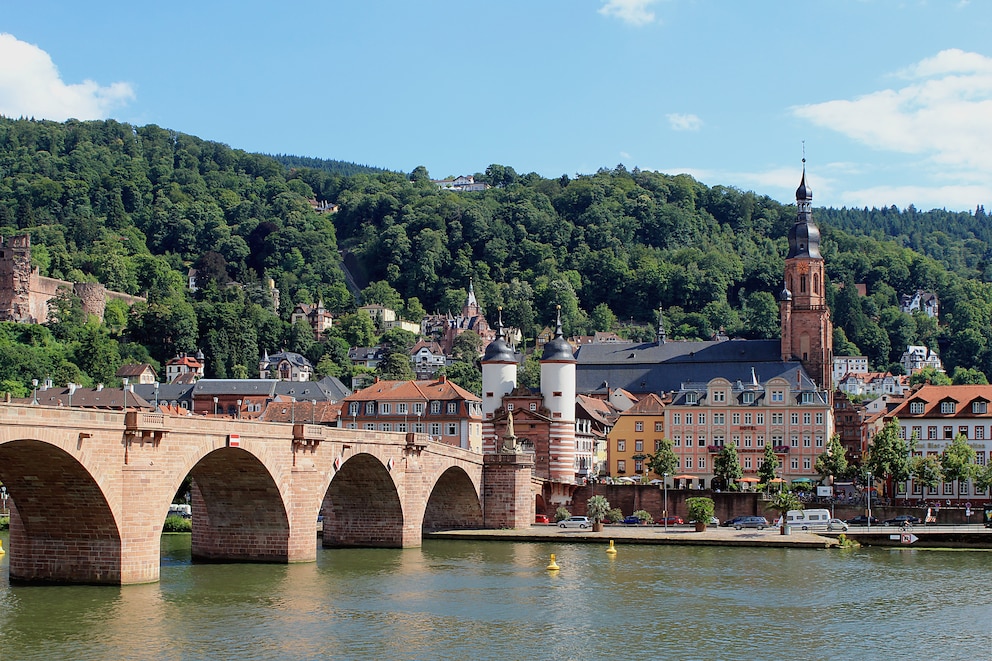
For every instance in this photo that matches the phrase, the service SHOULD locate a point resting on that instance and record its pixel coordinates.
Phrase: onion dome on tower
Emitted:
(499, 378)
(804, 236)
(558, 392)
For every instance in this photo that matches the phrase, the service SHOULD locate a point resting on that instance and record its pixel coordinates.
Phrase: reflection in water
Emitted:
(489, 600)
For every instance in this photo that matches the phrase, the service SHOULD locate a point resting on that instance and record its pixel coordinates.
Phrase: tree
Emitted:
(929, 375)
(769, 466)
(888, 454)
(832, 462)
(926, 471)
(466, 375)
(700, 510)
(597, 508)
(957, 461)
(783, 502)
(664, 460)
(467, 347)
(602, 318)
(968, 376)
(983, 477)
(395, 367)
(357, 329)
(727, 466)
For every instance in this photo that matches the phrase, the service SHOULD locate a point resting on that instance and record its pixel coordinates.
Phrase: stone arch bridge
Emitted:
(90, 490)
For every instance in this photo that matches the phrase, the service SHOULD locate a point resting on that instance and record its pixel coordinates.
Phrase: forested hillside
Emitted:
(136, 207)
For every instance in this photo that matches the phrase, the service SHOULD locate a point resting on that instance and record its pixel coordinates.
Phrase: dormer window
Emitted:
(948, 406)
(690, 398)
(748, 398)
(719, 396)
(916, 408)
(979, 407)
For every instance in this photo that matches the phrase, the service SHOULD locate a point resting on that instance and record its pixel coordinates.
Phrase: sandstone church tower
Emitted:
(807, 333)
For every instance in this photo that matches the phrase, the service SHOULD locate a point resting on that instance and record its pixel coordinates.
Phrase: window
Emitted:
(418, 428)
(806, 418)
(806, 442)
(657, 445)
(794, 418)
(676, 418)
(621, 445)
(702, 418)
(747, 463)
(948, 406)
(701, 462)
(702, 441)
(806, 463)
(638, 426)
(369, 408)
(916, 408)
(401, 427)
(677, 440)
(688, 462)
(638, 466)
(690, 398)
(621, 466)
(963, 430)
(402, 408)
(917, 488)
(719, 419)
(748, 398)
(688, 418)
(384, 407)
(932, 432)
(435, 407)
(760, 440)
(718, 440)
(778, 418)
(533, 406)
(638, 446)
(435, 429)
(353, 408)
(452, 407)
(979, 407)
(747, 418)
(948, 432)
(719, 396)
(979, 432)
(659, 426)
(747, 440)
(794, 464)
(735, 419)
(688, 440)
(778, 396)
(819, 441)
(759, 419)
(451, 429)
(819, 418)
(387, 427)
(556, 393)
(369, 426)
(794, 441)
(948, 488)
(963, 488)
(807, 398)
(418, 408)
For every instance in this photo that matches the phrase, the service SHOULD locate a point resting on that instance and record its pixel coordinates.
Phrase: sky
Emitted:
(889, 101)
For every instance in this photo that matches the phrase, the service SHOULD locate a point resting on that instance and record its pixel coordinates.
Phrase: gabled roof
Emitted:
(90, 398)
(239, 387)
(284, 410)
(650, 404)
(434, 389)
(931, 396)
(134, 369)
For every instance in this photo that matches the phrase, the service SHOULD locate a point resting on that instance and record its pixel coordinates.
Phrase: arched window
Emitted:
(816, 283)
(802, 284)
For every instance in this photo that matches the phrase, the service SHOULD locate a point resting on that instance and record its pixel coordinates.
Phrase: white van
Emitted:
(807, 519)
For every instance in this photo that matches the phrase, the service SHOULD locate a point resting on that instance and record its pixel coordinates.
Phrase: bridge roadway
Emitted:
(90, 490)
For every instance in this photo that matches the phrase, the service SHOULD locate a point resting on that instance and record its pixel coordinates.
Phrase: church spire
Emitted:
(661, 326)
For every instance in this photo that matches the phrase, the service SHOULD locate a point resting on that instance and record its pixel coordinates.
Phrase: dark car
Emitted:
(901, 519)
(758, 522)
(730, 522)
(631, 520)
(862, 520)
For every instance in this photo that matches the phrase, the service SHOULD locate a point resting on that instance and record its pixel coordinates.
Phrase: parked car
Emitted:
(901, 519)
(671, 520)
(712, 522)
(541, 518)
(836, 524)
(575, 522)
(758, 522)
(862, 520)
(732, 521)
(632, 520)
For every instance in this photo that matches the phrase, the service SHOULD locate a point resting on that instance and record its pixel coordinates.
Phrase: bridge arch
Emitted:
(58, 506)
(362, 507)
(238, 510)
(453, 503)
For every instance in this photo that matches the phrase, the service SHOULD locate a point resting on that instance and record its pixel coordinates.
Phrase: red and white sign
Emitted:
(234, 440)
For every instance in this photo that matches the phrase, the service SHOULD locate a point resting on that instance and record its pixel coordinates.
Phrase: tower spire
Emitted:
(661, 326)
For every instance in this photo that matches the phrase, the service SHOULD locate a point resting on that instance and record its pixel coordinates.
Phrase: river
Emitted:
(495, 600)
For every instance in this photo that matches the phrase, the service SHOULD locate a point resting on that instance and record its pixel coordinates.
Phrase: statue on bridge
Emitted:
(509, 439)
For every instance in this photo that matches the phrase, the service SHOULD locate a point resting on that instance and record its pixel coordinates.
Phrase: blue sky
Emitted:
(892, 99)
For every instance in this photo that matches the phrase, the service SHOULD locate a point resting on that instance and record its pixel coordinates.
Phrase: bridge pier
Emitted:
(507, 495)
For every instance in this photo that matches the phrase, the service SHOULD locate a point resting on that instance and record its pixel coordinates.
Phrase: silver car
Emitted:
(575, 522)
(836, 524)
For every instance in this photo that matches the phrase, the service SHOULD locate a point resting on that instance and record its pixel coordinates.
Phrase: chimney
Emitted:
(99, 387)
(442, 379)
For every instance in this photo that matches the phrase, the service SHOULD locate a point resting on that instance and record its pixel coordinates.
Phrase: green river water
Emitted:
(494, 600)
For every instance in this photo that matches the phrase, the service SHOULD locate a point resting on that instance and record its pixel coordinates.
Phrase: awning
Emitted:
(749, 479)
(685, 477)
(802, 479)
(776, 480)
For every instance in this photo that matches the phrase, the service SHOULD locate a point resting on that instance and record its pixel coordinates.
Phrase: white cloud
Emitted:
(943, 113)
(30, 86)
(684, 122)
(635, 12)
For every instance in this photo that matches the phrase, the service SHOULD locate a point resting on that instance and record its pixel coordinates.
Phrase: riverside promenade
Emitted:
(678, 535)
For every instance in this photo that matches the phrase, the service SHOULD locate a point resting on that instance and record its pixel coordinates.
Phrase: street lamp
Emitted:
(215, 406)
(72, 389)
(124, 380)
(156, 395)
(34, 395)
(239, 409)
(292, 414)
(868, 522)
(664, 484)
(313, 411)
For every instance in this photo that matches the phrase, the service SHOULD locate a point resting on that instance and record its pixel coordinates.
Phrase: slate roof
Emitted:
(242, 387)
(642, 367)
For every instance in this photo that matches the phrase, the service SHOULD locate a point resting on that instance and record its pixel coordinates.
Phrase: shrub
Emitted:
(561, 514)
(644, 516)
(4, 522)
(177, 524)
(700, 509)
(615, 515)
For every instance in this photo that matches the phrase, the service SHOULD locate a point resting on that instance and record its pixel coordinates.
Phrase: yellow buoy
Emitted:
(1, 547)
(554, 565)
(611, 550)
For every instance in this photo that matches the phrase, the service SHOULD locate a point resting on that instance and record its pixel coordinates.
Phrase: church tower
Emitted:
(558, 391)
(807, 333)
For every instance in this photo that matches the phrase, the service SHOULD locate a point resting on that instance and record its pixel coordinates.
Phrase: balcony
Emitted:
(781, 449)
